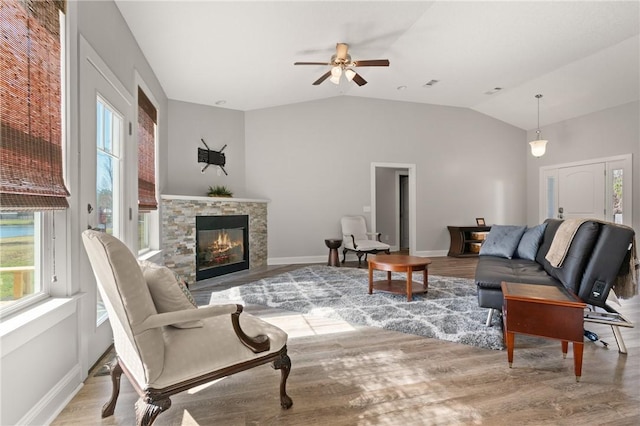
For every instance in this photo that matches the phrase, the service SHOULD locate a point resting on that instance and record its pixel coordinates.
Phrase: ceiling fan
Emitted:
(341, 63)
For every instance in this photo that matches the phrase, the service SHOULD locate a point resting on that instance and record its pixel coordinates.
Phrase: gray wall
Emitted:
(607, 133)
(42, 363)
(188, 123)
(313, 159)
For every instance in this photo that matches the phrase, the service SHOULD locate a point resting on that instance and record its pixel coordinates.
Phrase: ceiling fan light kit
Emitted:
(341, 63)
(538, 146)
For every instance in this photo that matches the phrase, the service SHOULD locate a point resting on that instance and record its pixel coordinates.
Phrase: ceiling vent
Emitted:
(430, 83)
(493, 91)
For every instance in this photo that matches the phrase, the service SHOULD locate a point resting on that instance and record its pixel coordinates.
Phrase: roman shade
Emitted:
(147, 120)
(31, 177)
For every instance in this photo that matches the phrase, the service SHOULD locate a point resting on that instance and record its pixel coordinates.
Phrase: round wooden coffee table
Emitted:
(399, 263)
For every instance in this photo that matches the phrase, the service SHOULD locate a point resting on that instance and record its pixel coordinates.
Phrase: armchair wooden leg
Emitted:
(115, 371)
(284, 365)
(359, 254)
(148, 409)
(344, 255)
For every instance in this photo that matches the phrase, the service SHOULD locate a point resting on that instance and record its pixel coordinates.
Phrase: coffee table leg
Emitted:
(510, 340)
(565, 348)
(577, 359)
(409, 284)
(425, 279)
(370, 279)
(388, 277)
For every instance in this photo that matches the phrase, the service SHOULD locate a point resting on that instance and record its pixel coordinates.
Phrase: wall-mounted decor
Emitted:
(480, 221)
(209, 157)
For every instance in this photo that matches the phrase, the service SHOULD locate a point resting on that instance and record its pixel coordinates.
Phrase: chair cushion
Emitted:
(167, 292)
(366, 245)
(212, 348)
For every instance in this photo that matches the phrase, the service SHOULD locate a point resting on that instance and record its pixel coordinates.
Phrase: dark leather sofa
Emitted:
(594, 259)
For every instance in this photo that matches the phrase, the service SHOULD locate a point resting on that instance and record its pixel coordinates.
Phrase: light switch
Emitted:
(366, 209)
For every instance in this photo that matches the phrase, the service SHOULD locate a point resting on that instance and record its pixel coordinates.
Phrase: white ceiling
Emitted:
(583, 56)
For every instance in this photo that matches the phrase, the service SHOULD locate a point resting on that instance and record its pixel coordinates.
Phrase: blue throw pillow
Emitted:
(530, 242)
(502, 241)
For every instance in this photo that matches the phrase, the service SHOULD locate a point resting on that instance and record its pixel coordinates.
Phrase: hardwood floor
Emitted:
(351, 375)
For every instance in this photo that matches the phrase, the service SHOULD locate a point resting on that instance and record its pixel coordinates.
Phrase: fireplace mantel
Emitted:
(178, 218)
(207, 198)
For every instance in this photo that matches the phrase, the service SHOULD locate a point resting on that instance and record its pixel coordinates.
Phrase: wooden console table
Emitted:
(462, 239)
(545, 311)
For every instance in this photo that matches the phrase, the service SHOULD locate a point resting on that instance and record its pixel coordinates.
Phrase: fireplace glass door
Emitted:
(222, 245)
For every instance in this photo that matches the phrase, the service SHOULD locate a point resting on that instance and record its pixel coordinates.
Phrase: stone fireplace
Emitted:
(179, 214)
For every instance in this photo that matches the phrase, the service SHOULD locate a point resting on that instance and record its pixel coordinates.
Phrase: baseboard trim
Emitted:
(351, 256)
(52, 404)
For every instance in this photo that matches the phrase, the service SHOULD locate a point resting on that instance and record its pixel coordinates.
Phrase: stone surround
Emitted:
(178, 219)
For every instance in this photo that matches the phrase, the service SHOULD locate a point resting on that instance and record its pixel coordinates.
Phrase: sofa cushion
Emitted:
(167, 292)
(502, 241)
(530, 241)
(491, 271)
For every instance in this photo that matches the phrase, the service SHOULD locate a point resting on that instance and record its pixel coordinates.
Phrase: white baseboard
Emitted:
(297, 260)
(351, 256)
(52, 404)
(431, 253)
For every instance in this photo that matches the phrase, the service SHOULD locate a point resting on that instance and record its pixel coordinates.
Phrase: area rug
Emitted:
(449, 311)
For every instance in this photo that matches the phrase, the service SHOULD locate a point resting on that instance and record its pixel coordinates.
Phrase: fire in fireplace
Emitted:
(222, 245)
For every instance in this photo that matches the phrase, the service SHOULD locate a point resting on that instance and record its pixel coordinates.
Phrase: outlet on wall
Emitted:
(385, 237)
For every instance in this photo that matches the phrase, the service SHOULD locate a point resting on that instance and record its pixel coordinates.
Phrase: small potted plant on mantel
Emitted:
(219, 191)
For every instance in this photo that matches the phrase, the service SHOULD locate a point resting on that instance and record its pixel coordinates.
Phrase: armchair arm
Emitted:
(168, 318)
(378, 235)
(257, 344)
(353, 239)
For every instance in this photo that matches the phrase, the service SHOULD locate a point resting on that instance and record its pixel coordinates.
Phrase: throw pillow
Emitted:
(167, 292)
(530, 242)
(502, 241)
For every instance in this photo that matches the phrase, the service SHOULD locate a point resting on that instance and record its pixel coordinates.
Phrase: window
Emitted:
(109, 125)
(31, 180)
(147, 127)
(617, 195)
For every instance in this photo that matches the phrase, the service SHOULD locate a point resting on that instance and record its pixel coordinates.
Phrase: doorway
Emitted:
(403, 211)
(386, 205)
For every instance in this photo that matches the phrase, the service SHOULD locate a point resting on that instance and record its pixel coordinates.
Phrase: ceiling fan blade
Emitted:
(323, 78)
(341, 50)
(311, 63)
(372, 63)
(359, 80)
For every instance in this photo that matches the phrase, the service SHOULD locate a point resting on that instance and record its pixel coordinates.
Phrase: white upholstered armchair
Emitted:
(164, 351)
(356, 238)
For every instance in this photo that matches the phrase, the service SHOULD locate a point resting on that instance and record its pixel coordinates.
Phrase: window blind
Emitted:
(147, 120)
(31, 176)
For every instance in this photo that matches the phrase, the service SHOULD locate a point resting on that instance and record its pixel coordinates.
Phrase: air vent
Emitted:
(430, 83)
(493, 91)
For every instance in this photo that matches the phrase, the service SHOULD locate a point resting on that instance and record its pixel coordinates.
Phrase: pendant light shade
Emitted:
(539, 146)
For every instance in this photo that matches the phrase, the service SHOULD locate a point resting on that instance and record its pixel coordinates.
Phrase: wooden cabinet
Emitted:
(465, 240)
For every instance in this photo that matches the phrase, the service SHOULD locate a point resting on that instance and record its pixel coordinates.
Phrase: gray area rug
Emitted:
(449, 311)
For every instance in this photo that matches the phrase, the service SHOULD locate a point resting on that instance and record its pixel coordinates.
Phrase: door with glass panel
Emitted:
(599, 189)
(105, 111)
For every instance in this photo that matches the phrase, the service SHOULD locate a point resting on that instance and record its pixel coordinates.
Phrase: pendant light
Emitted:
(538, 146)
